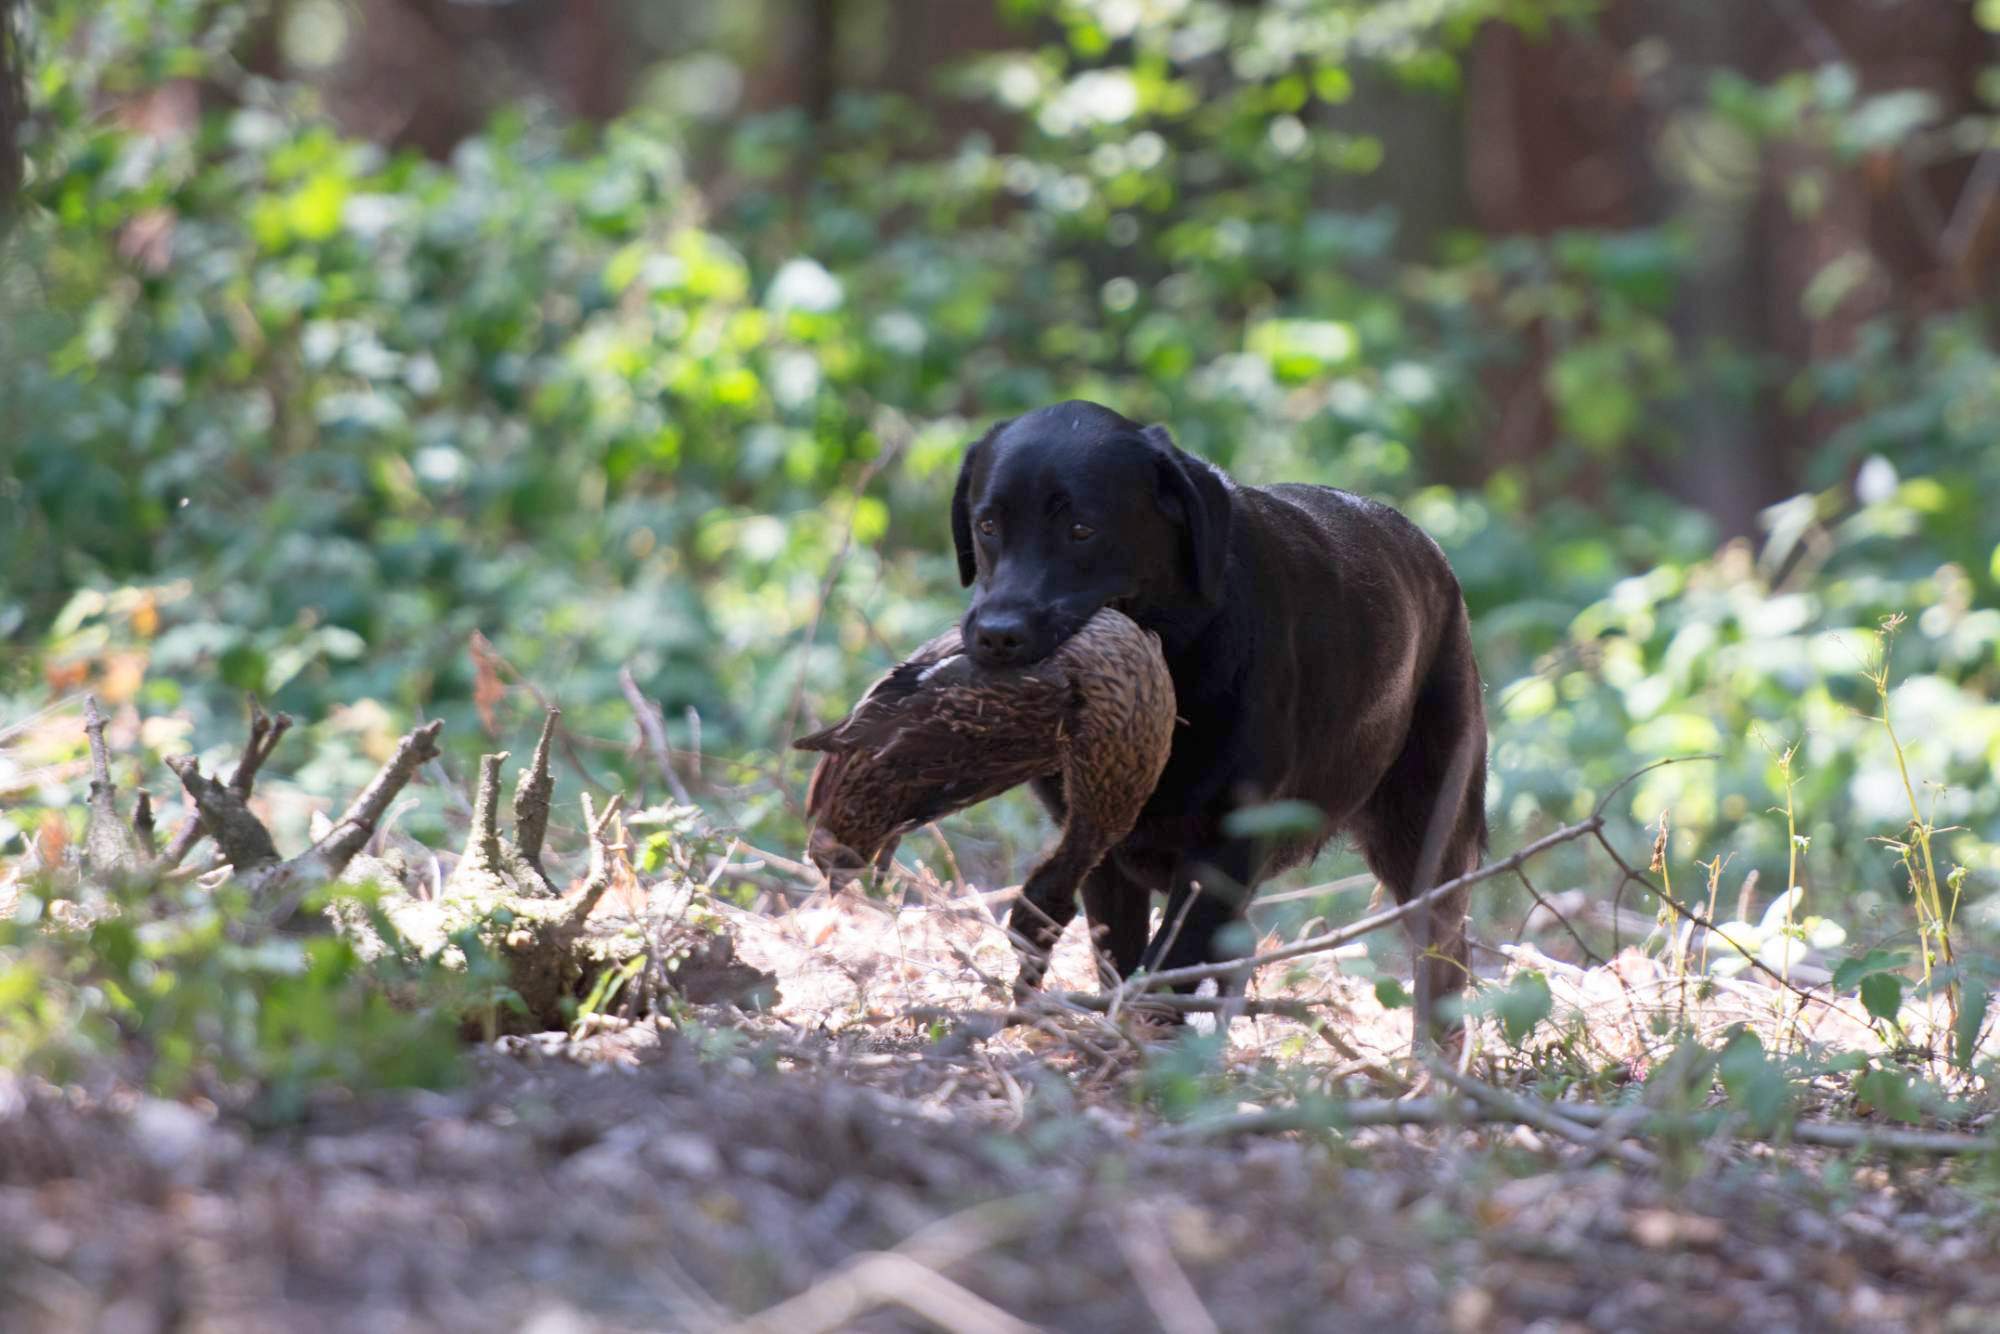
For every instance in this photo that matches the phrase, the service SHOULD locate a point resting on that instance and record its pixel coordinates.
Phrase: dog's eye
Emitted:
(1082, 532)
(988, 527)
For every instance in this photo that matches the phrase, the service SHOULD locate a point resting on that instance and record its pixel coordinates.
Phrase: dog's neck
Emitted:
(1207, 647)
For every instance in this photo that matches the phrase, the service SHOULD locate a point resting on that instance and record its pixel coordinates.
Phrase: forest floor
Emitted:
(830, 1164)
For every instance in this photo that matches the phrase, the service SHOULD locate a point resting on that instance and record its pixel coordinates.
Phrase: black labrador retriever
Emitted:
(1320, 652)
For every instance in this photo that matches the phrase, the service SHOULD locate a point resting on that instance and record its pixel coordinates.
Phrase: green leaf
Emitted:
(1850, 971)
(1889, 1094)
(1971, 1018)
(1525, 1003)
(1882, 995)
(1301, 349)
(1592, 388)
(1274, 819)
(1756, 1084)
(1391, 994)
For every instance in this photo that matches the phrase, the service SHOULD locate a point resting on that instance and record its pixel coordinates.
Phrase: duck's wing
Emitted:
(875, 720)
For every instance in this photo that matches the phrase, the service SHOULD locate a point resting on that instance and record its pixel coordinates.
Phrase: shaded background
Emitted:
(407, 357)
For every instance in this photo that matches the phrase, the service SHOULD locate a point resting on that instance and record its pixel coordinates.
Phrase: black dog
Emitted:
(1320, 652)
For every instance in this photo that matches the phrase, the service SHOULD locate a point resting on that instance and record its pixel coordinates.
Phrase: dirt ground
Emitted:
(829, 1165)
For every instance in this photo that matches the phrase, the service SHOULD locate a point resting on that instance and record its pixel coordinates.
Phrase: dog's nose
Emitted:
(1000, 638)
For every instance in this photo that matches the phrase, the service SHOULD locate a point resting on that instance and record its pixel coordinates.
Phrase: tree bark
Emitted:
(13, 108)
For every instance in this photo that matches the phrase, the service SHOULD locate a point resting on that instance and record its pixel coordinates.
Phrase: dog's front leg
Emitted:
(1210, 893)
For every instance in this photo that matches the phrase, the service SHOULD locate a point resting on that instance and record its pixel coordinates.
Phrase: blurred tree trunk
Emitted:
(896, 46)
(13, 108)
(820, 70)
(1567, 130)
(429, 73)
(1736, 454)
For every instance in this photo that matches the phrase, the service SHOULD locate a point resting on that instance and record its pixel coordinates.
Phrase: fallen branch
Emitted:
(1232, 968)
(1447, 1111)
(652, 729)
(1543, 1116)
(1176, 1306)
(986, 1023)
(909, 1276)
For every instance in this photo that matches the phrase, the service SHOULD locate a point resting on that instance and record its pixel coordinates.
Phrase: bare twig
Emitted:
(1633, 876)
(282, 888)
(985, 1023)
(1347, 884)
(1555, 912)
(1970, 210)
(100, 754)
(1229, 968)
(894, 442)
(483, 649)
(607, 843)
(653, 731)
(265, 732)
(351, 831)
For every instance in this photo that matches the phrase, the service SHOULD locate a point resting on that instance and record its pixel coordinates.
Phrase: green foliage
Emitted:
(1882, 995)
(1522, 1004)
(300, 416)
(1390, 994)
(1275, 820)
(1757, 1086)
(1889, 1093)
(1186, 1077)
(157, 979)
(1971, 1024)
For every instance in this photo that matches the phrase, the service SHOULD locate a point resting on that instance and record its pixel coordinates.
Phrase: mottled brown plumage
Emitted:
(940, 733)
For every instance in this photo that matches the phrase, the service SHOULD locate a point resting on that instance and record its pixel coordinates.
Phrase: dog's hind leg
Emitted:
(1426, 822)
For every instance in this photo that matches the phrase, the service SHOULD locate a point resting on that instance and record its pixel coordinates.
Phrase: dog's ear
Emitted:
(961, 509)
(1197, 496)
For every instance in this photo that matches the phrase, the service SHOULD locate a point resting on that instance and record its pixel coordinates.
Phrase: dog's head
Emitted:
(1070, 508)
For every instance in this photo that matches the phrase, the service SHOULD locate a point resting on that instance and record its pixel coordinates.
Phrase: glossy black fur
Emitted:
(1319, 649)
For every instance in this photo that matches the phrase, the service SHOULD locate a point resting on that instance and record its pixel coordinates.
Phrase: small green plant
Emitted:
(611, 980)
(1934, 914)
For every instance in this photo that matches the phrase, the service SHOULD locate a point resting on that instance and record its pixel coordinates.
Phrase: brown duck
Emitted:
(940, 733)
